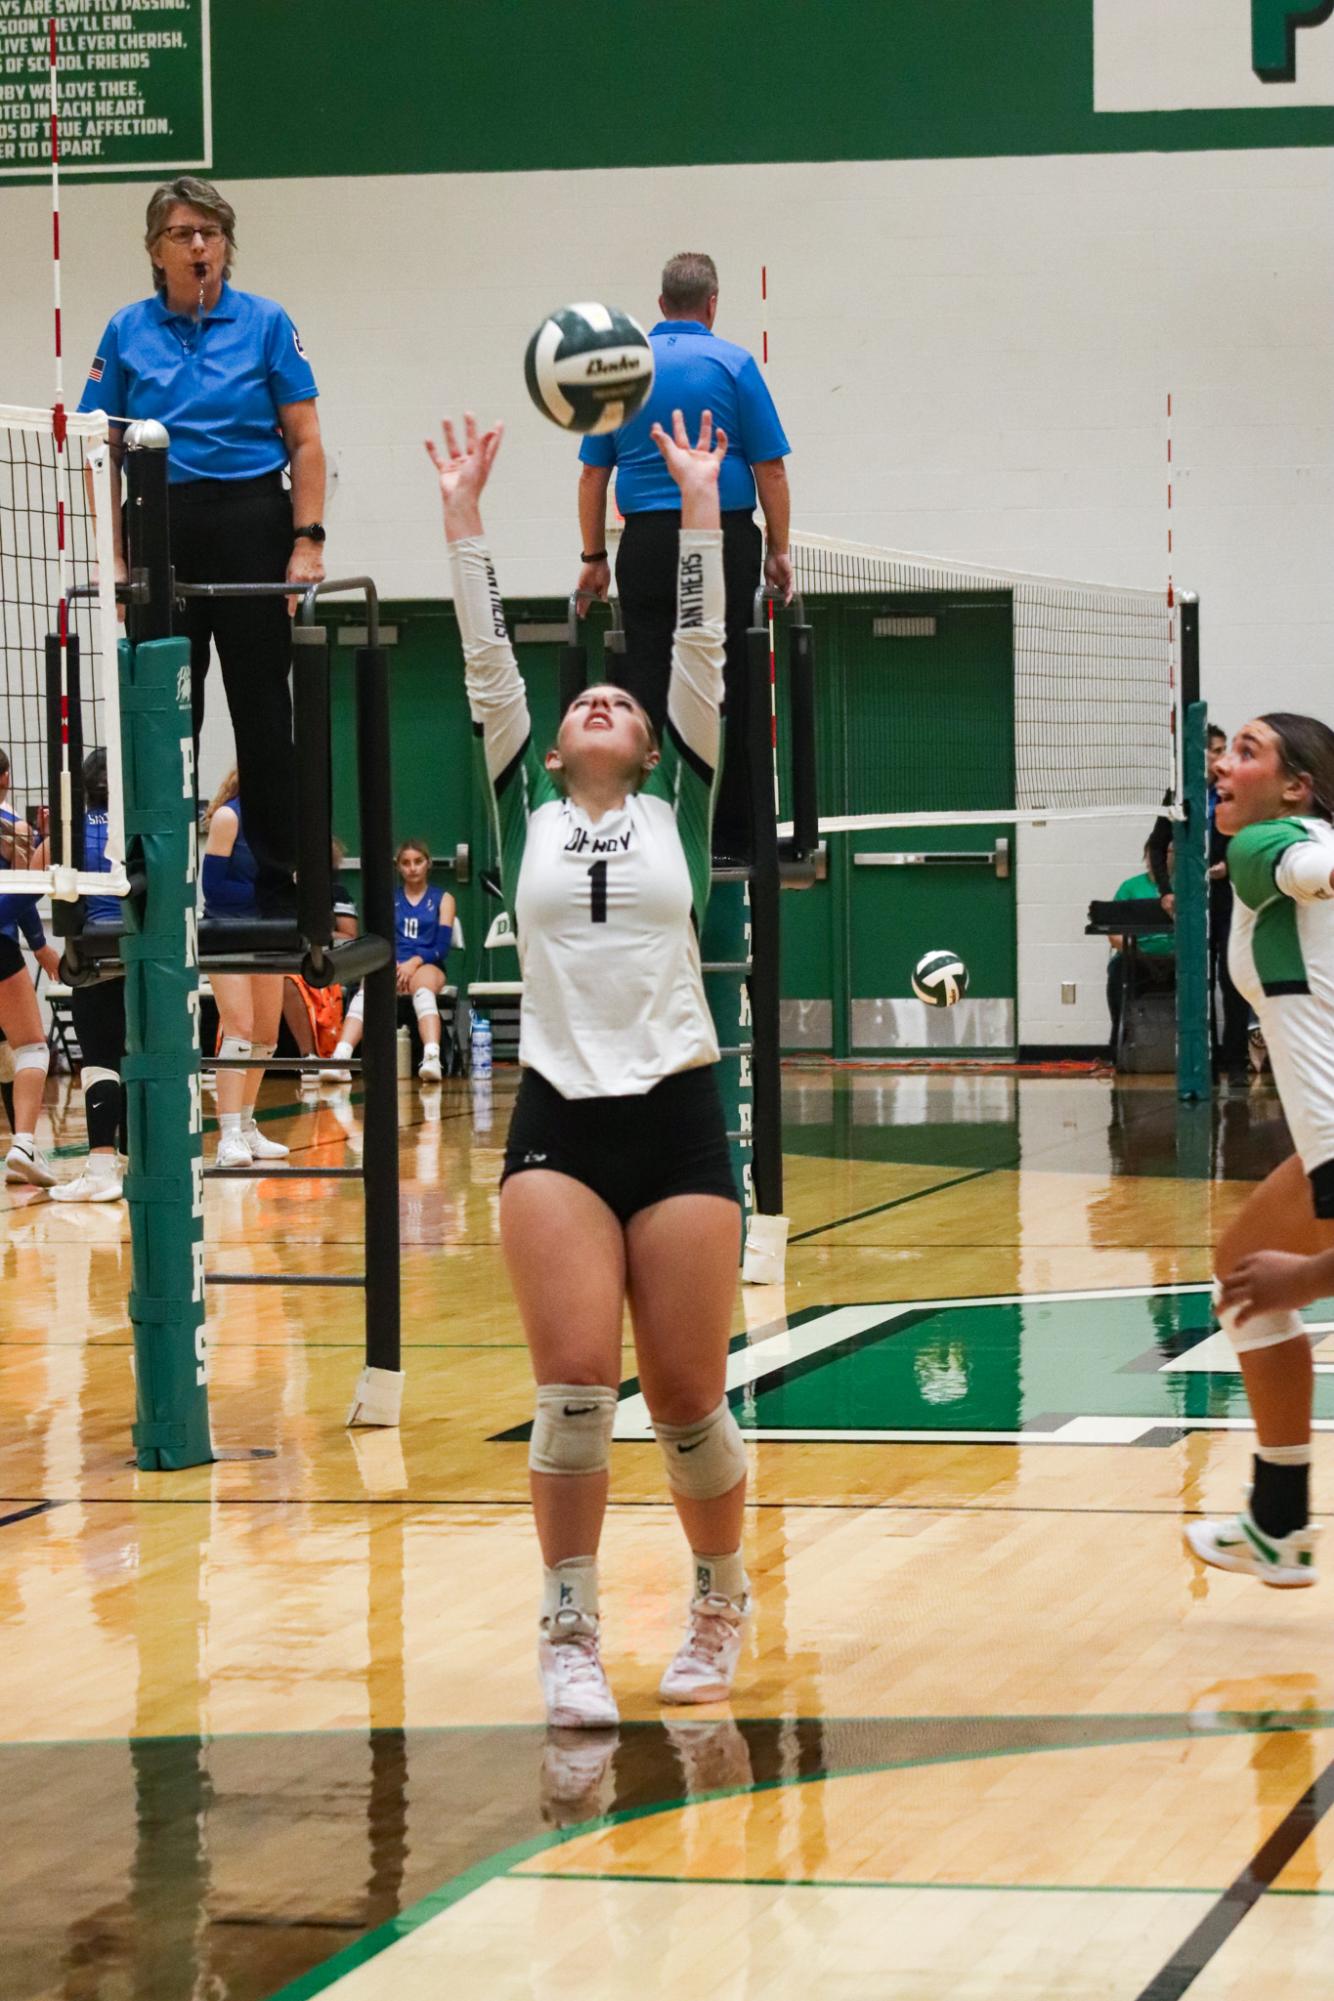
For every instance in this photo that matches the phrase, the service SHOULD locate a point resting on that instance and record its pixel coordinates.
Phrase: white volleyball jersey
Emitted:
(608, 914)
(1281, 957)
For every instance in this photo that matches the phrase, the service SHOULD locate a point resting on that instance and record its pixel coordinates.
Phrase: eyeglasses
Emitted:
(186, 232)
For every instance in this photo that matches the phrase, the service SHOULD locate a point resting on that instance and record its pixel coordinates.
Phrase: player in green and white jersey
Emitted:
(1275, 797)
(617, 1181)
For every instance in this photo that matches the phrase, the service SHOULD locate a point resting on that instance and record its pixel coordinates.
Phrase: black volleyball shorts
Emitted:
(633, 1151)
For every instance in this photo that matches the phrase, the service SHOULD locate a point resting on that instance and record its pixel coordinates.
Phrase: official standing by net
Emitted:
(694, 371)
(226, 373)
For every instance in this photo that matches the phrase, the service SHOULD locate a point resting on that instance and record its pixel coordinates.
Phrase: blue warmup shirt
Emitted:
(216, 383)
(229, 880)
(101, 909)
(694, 371)
(418, 930)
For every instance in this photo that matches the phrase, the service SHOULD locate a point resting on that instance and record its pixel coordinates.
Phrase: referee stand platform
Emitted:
(163, 948)
(741, 945)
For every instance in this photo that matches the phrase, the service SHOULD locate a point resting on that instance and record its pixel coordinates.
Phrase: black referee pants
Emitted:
(240, 532)
(646, 568)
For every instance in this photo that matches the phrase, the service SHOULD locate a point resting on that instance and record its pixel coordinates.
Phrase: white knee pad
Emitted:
(262, 1048)
(94, 1073)
(572, 1428)
(1259, 1330)
(356, 1007)
(424, 1002)
(234, 1046)
(31, 1056)
(704, 1459)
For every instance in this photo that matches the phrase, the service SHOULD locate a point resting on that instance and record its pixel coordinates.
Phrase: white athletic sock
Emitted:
(723, 1576)
(102, 1166)
(429, 1050)
(229, 1125)
(341, 1052)
(570, 1586)
(1284, 1455)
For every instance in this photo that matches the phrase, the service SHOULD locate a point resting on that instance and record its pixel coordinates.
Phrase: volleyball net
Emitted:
(973, 693)
(59, 691)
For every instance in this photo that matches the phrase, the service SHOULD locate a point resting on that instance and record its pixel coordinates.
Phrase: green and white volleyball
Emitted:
(589, 367)
(940, 979)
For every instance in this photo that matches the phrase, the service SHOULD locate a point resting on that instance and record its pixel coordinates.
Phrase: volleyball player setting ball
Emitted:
(1275, 797)
(617, 1181)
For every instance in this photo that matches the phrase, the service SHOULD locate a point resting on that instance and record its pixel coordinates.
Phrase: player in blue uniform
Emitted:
(250, 1005)
(423, 930)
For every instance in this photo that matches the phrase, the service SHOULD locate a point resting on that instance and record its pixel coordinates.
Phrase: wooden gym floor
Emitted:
(271, 1728)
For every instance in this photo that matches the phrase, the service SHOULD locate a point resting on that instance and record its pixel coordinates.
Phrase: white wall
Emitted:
(971, 358)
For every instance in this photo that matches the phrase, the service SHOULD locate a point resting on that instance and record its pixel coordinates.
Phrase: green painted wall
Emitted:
(468, 86)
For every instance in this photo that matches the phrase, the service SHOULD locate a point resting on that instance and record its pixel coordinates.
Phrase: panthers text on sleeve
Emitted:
(606, 914)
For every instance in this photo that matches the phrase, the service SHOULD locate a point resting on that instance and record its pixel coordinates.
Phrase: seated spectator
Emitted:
(423, 931)
(1154, 953)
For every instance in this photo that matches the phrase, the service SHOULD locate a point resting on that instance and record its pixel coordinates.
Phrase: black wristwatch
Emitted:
(312, 532)
(592, 555)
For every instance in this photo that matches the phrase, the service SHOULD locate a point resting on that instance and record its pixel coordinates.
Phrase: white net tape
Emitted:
(50, 495)
(1093, 682)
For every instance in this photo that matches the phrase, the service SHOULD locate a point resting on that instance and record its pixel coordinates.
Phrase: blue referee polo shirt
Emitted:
(216, 383)
(694, 371)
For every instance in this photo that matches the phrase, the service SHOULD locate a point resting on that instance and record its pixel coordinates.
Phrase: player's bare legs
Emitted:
(21, 1019)
(1280, 1381)
(1272, 1537)
(683, 1255)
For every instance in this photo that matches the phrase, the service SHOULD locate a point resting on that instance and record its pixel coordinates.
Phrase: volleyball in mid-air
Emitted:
(589, 367)
(940, 979)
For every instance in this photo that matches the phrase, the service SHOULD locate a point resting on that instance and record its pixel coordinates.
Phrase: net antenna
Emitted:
(1091, 686)
(57, 618)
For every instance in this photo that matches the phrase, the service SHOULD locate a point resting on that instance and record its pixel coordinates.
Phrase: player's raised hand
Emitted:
(692, 465)
(463, 472)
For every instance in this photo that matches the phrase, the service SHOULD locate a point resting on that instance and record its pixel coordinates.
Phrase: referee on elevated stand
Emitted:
(694, 371)
(226, 373)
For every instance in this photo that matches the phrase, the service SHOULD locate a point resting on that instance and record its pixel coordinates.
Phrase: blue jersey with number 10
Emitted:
(419, 932)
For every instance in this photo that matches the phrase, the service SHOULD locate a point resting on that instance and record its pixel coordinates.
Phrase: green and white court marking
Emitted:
(1121, 1366)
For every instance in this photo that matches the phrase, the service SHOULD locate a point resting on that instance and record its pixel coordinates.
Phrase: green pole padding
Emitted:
(1190, 887)
(726, 943)
(165, 1184)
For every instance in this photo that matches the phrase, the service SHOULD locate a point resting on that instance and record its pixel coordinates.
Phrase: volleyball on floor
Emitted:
(940, 979)
(589, 367)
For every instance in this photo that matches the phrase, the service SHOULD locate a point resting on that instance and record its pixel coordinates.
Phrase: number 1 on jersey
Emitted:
(597, 892)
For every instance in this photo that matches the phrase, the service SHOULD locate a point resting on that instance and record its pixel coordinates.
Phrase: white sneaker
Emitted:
(90, 1187)
(1237, 1544)
(430, 1071)
(21, 1164)
(574, 1686)
(261, 1147)
(706, 1659)
(233, 1152)
(333, 1075)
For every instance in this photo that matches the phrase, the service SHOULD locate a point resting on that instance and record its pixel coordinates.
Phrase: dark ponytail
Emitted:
(95, 781)
(1306, 750)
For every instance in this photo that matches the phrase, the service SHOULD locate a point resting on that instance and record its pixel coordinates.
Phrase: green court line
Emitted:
(509, 1860)
(902, 1201)
(879, 1883)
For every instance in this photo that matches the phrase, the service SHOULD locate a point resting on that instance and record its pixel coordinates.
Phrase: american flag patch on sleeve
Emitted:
(98, 369)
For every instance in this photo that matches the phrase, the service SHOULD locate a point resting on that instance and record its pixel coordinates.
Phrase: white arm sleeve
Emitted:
(1304, 871)
(695, 692)
(496, 694)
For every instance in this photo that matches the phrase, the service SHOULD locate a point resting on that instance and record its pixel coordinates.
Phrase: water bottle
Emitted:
(404, 1053)
(479, 1041)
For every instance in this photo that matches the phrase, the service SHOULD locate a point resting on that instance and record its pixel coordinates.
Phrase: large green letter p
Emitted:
(1274, 25)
